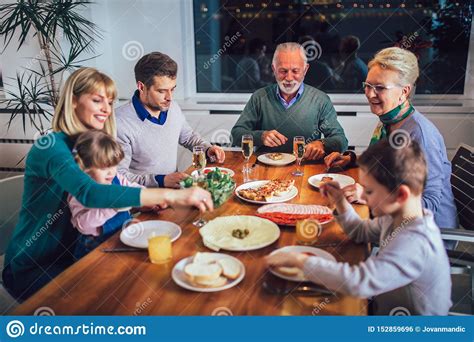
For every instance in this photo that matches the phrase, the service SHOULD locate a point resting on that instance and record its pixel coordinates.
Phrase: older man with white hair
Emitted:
(278, 112)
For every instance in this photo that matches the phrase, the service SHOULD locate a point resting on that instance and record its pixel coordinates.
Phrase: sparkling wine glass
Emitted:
(199, 163)
(298, 151)
(247, 150)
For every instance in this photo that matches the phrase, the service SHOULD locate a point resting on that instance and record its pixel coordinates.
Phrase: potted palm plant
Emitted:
(63, 35)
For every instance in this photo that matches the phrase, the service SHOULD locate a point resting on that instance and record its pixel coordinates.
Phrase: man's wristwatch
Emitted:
(353, 157)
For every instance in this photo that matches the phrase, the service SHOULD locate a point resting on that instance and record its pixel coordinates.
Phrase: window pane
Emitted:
(235, 40)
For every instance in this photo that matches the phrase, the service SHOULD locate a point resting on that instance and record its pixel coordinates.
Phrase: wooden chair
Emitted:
(462, 182)
(11, 191)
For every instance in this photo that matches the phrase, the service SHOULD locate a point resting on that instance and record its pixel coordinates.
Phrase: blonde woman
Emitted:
(44, 239)
(389, 84)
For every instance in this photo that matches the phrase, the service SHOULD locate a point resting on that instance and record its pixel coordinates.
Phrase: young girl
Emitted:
(411, 270)
(86, 102)
(98, 154)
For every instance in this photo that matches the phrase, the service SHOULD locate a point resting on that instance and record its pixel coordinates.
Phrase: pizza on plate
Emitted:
(275, 156)
(265, 192)
(324, 180)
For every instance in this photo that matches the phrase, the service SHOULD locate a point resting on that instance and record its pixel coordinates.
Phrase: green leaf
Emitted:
(45, 20)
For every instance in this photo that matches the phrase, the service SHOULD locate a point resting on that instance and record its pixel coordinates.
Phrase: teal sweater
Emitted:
(312, 116)
(44, 234)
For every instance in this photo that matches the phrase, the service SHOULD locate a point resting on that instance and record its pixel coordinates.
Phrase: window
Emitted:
(235, 40)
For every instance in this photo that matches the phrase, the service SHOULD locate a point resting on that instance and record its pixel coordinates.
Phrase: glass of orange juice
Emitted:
(159, 249)
(308, 231)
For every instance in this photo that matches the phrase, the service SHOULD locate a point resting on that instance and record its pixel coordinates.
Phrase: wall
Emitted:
(132, 28)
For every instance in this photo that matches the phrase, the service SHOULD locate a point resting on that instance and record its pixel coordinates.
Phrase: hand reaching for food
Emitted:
(286, 259)
(335, 194)
(314, 150)
(336, 160)
(353, 193)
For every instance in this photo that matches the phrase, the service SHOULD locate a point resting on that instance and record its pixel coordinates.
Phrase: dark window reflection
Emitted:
(235, 40)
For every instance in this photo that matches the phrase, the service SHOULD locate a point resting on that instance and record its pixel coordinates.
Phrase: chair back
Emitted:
(11, 191)
(462, 182)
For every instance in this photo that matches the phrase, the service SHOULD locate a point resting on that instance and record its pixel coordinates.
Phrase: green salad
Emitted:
(220, 185)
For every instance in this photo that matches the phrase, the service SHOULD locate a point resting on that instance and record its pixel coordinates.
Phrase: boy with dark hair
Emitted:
(411, 270)
(151, 126)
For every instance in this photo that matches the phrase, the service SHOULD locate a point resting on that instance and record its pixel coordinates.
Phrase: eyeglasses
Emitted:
(378, 88)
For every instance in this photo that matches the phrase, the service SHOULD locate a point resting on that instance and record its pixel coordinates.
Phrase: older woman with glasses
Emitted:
(390, 81)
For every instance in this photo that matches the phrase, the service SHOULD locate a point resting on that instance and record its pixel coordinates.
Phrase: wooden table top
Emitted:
(128, 284)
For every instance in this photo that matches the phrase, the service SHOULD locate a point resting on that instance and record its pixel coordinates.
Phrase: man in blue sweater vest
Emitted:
(151, 126)
(277, 113)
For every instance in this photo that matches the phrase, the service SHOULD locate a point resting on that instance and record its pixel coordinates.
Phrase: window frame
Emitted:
(190, 90)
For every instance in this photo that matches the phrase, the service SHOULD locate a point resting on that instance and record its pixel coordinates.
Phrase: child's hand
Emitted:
(286, 259)
(332, 190)
(335, 194)
(353, 193)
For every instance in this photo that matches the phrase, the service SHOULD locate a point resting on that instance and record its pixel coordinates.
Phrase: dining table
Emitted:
(129, 284)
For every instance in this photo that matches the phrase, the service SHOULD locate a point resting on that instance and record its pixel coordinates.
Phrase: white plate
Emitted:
(343, 180)
(137, 234)
(218, 233)
(180, 278)
(300, 249)
(212, 168)
(287, 159)
(299, 209)
(283, 197)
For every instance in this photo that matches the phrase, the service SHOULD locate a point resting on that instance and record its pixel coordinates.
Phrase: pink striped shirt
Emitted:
(88, 221)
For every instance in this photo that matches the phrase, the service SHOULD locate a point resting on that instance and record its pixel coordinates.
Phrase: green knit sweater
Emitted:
(312, 116)
(44, 234)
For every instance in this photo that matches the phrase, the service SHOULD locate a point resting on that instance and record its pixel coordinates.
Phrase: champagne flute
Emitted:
(298, 151)
(247, 150)
(199, 158)
(199, 163)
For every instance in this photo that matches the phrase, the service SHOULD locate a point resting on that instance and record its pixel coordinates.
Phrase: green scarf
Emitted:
(387, 119)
